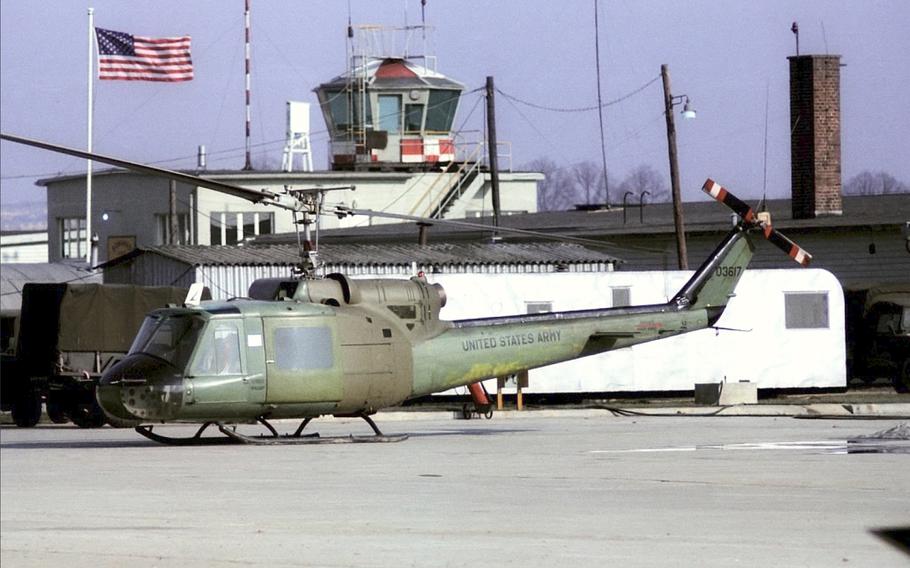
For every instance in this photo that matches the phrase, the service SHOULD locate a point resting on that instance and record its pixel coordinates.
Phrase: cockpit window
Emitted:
(219, 352)
(168, 337)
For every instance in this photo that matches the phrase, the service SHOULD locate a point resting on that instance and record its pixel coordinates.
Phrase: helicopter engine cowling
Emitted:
(400, 296)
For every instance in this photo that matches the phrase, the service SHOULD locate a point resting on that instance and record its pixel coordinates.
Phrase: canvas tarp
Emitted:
(95, 317)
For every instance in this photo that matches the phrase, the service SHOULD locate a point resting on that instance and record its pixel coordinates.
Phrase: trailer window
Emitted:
(806, 310)
(171, 338)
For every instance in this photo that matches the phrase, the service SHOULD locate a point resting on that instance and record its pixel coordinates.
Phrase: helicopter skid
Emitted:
(234, 437)
(309, 439)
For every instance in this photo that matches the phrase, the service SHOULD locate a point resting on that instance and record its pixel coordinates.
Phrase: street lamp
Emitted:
(688, 112)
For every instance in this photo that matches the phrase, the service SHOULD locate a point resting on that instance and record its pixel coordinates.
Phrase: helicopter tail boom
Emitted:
(484, 348)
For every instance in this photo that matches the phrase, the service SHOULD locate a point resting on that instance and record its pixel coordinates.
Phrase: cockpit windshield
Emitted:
(169, 337)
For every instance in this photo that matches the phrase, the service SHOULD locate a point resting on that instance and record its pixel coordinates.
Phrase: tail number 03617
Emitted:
(728, 271)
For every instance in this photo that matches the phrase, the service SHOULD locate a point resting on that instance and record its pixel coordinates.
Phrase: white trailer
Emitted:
(784, 329)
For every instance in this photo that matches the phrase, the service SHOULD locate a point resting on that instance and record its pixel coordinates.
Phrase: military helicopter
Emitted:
(309, 347)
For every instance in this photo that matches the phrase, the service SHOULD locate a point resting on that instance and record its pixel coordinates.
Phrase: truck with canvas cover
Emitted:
(68, 335)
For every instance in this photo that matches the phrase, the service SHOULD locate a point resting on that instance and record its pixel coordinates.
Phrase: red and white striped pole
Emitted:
(246, 22)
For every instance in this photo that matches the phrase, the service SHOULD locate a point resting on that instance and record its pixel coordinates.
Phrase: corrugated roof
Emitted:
(14, 276)
(372, 255)
(700, 216)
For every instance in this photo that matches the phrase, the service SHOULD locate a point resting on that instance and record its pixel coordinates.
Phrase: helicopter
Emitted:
(311, 346)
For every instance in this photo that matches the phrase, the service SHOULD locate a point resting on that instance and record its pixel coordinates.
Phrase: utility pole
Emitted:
(174, 225)
(491, 149)
(674, 172)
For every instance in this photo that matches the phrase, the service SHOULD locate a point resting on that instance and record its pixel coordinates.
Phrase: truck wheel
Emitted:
(88, 416)
(56, 412)
(901, 381)
(27, 410)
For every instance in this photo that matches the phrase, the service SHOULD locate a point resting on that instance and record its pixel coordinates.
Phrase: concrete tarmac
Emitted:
(591, 490)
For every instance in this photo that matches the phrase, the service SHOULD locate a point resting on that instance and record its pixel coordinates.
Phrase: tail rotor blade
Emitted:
(793, 250)
(719, 193)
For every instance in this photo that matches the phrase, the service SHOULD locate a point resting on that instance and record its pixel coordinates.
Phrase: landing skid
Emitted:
(234, 437)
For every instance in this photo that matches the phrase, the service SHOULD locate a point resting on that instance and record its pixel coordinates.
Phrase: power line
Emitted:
(600, 107)
(580, 109)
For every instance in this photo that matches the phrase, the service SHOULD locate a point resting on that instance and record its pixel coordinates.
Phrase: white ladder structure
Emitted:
(298, 137)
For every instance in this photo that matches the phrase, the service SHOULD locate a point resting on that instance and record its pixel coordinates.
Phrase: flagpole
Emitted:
(88, 173)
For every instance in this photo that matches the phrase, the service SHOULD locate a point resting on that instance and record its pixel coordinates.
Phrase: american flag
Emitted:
(125, 57)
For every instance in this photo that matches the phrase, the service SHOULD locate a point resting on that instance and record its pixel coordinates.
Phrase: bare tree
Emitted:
(555, 192)
(874, 183)
(646, 178)
(588, 177)
(891, 185)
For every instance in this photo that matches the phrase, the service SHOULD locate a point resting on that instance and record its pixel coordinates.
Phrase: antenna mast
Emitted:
(246, 23)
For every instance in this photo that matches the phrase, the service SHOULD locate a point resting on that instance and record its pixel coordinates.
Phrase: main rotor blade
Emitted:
(254, 195)
(339, 210)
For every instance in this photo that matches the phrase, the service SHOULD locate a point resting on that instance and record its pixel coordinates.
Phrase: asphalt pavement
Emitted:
(541, 489)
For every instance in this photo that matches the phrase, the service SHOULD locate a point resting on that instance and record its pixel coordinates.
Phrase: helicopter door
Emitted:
(301, 361)
(217, 369)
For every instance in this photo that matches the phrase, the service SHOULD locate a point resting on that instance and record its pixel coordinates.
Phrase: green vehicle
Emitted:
(881, 341)
(68, 335)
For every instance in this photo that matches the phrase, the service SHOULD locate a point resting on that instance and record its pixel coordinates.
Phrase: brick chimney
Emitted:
(815, 168)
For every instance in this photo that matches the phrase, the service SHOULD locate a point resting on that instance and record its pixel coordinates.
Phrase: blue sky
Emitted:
(728, 57)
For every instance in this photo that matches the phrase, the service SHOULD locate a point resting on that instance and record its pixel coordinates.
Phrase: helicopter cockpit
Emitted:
(172, 346)
(168, 337)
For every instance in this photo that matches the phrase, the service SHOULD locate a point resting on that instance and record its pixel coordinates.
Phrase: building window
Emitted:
(806, 310)
(72, 237)
(229, 228)
(622, 297)
(539, 307)
(162, 220)
(413, 118)
(390, 113)
(345, 106)
(441, 110)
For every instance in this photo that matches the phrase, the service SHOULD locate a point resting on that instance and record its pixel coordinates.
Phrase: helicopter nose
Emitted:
(141, 387)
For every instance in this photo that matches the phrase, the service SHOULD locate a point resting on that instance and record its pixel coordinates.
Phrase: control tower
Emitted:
(391, 110)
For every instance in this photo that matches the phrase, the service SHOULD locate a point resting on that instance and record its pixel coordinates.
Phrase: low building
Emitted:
(23, 247)
(132, 210)
(229, 270)
(868, 244)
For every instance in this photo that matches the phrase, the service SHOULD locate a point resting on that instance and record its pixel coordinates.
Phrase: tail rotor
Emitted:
(750, 220)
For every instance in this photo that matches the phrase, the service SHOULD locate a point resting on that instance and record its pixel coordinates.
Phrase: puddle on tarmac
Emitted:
(894, 440)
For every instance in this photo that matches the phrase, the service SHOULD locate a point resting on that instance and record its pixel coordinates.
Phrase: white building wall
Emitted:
(405, 193)
(23, 247)
(765, 353)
